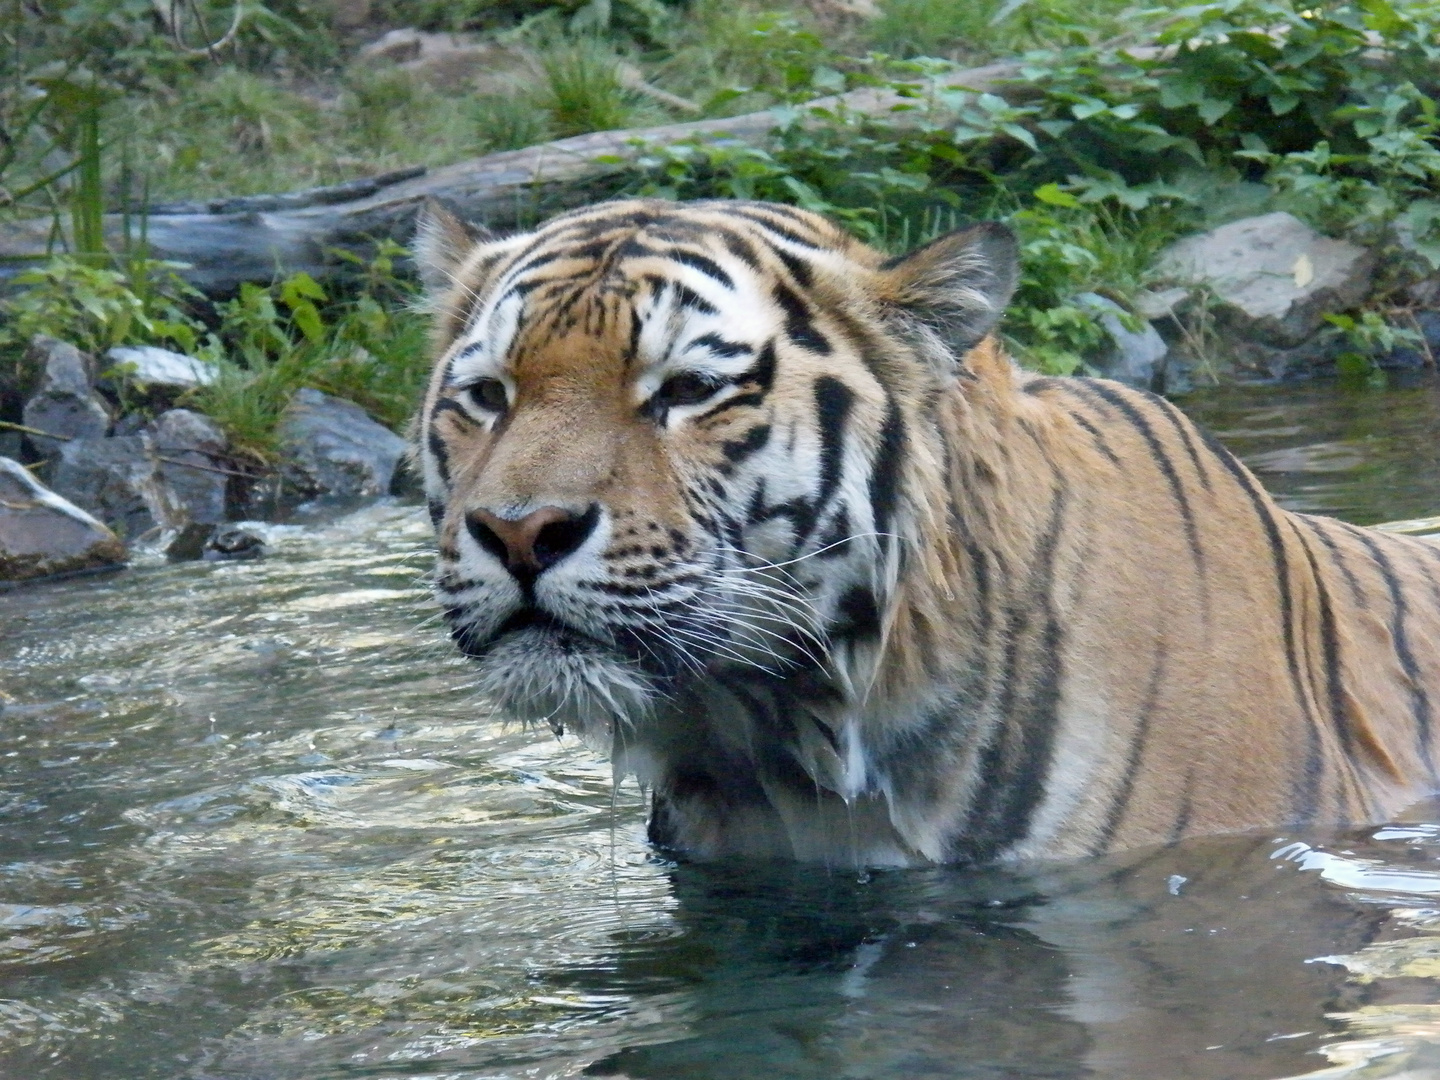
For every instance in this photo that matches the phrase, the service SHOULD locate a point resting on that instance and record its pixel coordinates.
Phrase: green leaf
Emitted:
(1054, 196)
(1283, 103)
(307, 318)
(298, 285)
(1212, 109)
(1015, 131)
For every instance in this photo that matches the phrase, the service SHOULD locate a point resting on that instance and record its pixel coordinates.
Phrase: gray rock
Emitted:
(188, 542)
(1317, 356)
(42, 534)
(118, 481)
(66, 404)
(1425, 293)
(189, 448)
(152, 367)
(333, 448)
(1136, 356)
(234, 542)
(1274, 276)
(1161, 304)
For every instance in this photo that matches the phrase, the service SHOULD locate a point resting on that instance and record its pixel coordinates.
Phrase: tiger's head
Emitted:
(666, 440)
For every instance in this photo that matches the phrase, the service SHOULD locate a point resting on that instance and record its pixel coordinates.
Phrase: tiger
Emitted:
(772, 519)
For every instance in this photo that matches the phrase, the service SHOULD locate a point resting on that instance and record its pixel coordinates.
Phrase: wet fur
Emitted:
(897, 601)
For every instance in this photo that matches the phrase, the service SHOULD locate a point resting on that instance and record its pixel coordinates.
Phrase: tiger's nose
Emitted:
(532, 544)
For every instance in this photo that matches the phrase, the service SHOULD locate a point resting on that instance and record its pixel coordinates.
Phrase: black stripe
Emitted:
(753, 440)
(436, 510)
(837, 534)
(454, 408)
(1315, 750)
(1100, 443)
(1015, 762)
(1340, 716)
(538, 261)
(632, 353)
(1419, 699)
(1184, 427)
(1187, 804)
(1330, 647)
(468, 351)
(799, 268)
(799, 323)
(885, 470)
(1337, 557)
(523, 289)
(1038, 384)
(688, 298)
(436, 445)
(1115, 396)
(720, 347)
(770, 225)
(761, 374)
(1309, 784)
(833, 402)
(1138, 740)
(709, 267)
(738, 246)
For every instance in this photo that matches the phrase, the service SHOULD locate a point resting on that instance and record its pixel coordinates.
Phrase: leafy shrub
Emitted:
(95, 308)
(1330, 105)
(991, 28)
(368, 346)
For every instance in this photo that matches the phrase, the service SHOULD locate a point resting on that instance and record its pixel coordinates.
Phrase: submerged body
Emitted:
(775, 521)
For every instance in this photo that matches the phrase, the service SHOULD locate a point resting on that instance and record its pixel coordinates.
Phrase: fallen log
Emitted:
(228, 241)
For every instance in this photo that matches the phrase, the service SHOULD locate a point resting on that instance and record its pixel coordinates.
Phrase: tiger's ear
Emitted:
(953, 290)
(442, 241)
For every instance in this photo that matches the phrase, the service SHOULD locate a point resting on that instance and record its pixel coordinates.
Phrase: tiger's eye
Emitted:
(489, 394)
(684, 389)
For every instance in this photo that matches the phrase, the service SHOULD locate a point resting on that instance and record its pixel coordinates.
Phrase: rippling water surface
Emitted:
(254, 825)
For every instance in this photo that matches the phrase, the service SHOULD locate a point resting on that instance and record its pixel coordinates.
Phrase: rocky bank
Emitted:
(100, 478)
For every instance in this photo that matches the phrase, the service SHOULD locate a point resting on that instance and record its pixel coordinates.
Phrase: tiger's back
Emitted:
(1278, 668)
(773, 520)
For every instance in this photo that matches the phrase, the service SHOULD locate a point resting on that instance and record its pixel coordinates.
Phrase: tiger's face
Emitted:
(665, 440)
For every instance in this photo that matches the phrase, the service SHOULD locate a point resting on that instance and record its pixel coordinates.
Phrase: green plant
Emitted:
(740, 56)
(507, 121)
(368, 346)
(95, 307)
(1369, 337)
(991, 27)
(583, 91)
(1084, 238)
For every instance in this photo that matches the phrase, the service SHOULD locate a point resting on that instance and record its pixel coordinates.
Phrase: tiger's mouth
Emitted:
(525, 619)
(533, 624)
(537, 668)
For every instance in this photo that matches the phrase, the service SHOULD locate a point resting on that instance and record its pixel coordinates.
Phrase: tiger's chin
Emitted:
(547, 674)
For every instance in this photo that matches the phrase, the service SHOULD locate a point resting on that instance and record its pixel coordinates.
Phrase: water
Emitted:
(255, 827)
(1357, 454)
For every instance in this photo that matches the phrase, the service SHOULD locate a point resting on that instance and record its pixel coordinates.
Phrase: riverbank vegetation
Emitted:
(1123, 128)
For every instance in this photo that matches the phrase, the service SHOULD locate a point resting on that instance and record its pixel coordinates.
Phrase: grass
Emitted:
(582, 90)
(977, 30)
(284, 109)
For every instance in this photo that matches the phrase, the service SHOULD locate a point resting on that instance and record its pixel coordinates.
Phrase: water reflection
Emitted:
(1360, 454)
(255, 826)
